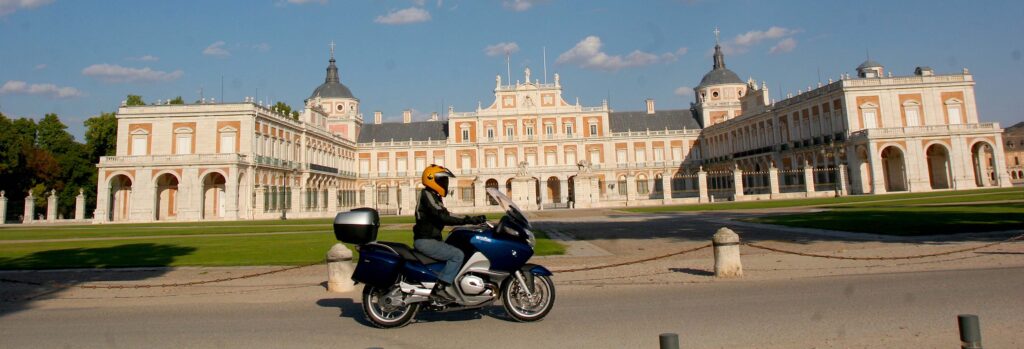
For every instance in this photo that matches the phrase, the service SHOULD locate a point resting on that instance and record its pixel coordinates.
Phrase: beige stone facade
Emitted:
(868, 134)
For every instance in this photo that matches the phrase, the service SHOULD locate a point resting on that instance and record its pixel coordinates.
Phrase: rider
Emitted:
(431, 218)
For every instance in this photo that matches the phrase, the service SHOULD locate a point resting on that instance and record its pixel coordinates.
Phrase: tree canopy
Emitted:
(134, 100)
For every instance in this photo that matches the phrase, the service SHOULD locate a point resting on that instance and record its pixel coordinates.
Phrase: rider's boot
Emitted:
(443, 291)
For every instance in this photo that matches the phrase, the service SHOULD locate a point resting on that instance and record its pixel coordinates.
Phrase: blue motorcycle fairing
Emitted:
(539, 270)
(417, 272)
(504, 254)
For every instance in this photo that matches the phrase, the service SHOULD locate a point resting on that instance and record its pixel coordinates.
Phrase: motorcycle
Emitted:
(399, 279)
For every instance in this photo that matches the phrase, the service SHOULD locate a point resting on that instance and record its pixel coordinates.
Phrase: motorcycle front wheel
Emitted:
(525, 307)
(385, 309)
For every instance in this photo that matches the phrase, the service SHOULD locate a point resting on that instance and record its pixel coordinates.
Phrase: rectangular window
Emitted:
(912, 116)
(568, 129)
(184, 143)
(641, 156)
(529, 130)
(570, 157)
(511, 161)
(620, 156)
(549, 158)
(531, 159)
(139, 144)
(490, 134)
(465, 135)
(659, 154)
(402, 165)
(492, 161)
(954, 114)
(869, 119)
(421, 163)
(227, 142)
(382, 166)
(595, 156)
(364, 166)
(593, 130)
(510, 132)
(677, 153)
(549, 129)
(465, 162)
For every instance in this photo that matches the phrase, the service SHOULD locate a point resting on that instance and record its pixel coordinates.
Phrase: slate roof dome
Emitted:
(719, 74)
(869, 64)
(332, 86)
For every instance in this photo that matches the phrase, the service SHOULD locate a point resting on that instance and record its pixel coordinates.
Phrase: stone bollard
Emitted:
(339, 269)
(727, 253)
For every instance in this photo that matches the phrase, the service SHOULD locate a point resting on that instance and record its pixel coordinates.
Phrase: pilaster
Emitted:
(808, 178)
(79, 206)
(30, 208)
(702, 185)
(737, 180)
(773, 180)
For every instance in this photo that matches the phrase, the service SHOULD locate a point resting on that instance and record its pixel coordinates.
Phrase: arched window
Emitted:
(642, 186)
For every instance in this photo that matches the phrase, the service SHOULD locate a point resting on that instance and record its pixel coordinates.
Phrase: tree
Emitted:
(53, 135)
(286, 110)
(134, 100)
(177, 100)
(101, 135)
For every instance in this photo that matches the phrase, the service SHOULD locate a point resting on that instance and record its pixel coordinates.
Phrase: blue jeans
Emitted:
(440, 250)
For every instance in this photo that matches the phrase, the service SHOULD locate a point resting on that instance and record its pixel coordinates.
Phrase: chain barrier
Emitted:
(180, 284)
(806, 254)
(632, 262)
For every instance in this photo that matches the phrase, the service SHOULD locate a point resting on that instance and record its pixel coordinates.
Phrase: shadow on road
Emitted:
(36, 276)
(350, 309)
(692, 271)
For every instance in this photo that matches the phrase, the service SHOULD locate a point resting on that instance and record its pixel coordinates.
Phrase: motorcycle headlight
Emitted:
(530, 239)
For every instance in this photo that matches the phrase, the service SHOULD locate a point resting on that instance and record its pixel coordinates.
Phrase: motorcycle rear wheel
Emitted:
(526, 308)
(382, 314)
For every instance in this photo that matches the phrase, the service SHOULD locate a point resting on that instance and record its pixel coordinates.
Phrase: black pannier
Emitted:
(358, 226)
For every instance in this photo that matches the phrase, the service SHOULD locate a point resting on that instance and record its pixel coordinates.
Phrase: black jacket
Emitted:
(431, 217)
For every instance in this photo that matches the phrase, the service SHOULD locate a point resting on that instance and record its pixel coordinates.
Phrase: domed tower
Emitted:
(870, 69)
(337, 103)
(719, 92)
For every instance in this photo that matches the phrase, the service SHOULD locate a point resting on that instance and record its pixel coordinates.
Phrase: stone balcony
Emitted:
(173, 160)
(918, 131)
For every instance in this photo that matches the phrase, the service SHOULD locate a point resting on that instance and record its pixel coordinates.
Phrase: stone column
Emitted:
(877, 174)
(563, 191)
(841, 178)
(30, 208)
(630, 189)
(737, 183)
(231, 191)
(581, 187)
(80, 205)
(393, 197)
(808, 178)
(773, 180)
(666, 188)
(369, 196)
(332, 200)
(296, 202)
(410, 197)
(3, 207)
(702, 185)
(542, 194)
(260, 202)
(479, 194)
(51, 206)
(523, 192)
(727, 253)
(339, 269)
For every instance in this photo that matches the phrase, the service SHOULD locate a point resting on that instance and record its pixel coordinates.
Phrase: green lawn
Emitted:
(220, 250)
(907, 220)
(1010, 193)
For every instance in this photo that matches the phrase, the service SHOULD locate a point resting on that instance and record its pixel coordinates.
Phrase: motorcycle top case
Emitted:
(378, 265)
(358, 226)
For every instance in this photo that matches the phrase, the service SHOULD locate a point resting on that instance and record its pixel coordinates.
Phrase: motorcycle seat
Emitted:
(410, 254)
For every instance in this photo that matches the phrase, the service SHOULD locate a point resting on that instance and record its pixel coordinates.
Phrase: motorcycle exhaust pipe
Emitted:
(414, 290)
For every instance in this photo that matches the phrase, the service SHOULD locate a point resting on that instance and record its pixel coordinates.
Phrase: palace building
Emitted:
(867, 134)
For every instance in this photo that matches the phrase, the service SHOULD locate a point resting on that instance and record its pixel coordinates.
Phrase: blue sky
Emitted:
(79, 58)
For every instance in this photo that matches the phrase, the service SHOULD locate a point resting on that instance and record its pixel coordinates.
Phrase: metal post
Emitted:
(668, 341)
(970, 331)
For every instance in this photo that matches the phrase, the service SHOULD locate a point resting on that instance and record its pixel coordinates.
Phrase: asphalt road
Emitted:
(881, 310)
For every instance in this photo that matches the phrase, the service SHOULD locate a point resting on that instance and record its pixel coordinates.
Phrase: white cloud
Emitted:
(216, 49)
(519, 5)
(683, 91)
(786, 45)
(674, 56)
(50, 90)
(262, 47)
(10, 6)
(404, 16)
(587, 54)
(501, 48)
(40, 66)
(742, 43)
(115, 73)
(146, 58)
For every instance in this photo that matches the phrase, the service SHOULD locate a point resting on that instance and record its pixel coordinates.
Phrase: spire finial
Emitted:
(332, 49)
(716, 34)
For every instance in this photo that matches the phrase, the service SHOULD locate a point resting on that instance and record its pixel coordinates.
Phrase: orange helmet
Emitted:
(436, 178)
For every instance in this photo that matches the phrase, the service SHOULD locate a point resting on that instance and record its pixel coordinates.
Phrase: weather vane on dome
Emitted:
(332, 49)
(716, 35)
